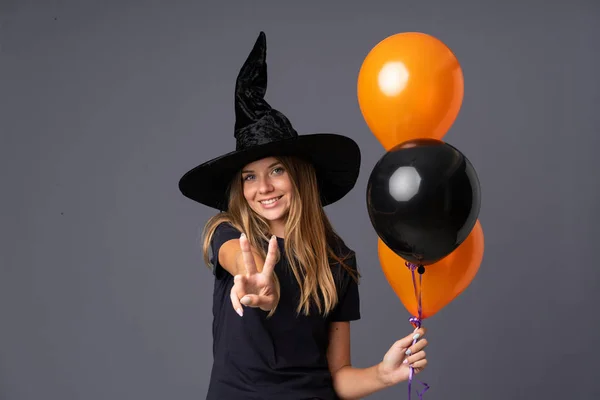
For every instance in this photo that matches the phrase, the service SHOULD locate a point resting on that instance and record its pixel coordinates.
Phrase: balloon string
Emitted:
(416, 323)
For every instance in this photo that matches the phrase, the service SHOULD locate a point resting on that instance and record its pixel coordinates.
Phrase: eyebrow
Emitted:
(270, 166)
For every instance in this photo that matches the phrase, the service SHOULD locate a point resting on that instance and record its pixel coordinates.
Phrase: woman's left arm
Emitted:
(354, 383)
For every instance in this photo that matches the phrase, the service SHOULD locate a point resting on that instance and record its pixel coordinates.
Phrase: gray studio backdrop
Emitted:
(104, 104)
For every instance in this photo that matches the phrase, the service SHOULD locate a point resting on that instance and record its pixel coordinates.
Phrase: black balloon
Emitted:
(423, 199)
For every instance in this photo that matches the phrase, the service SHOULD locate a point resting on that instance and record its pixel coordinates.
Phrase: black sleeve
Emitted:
(348, 307)
(223, 233)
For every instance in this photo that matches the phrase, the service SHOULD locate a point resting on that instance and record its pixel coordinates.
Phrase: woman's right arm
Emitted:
(230, 258)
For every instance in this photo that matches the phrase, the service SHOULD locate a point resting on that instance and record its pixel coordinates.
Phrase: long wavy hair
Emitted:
(309, 236)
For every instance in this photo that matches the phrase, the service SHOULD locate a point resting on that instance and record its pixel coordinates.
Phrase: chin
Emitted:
(272, 216)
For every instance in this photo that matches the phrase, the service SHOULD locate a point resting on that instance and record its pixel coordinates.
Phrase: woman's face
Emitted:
(267, 189)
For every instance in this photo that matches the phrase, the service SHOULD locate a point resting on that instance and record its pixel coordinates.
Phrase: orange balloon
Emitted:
(410, 86)
(441, 282)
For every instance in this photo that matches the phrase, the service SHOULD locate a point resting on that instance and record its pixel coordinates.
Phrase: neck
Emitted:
(277, 228)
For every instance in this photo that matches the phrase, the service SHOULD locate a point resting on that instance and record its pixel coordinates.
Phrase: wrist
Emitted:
(381, 376)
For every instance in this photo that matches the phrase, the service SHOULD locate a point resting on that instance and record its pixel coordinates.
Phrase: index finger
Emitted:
(247, 254)
(420, 332)
(271, 258)
(410, 339)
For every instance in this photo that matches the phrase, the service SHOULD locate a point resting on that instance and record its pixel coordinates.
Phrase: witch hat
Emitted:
(261, 131)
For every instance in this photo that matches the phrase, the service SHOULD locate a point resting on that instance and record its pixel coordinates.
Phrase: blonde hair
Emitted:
(309, 235)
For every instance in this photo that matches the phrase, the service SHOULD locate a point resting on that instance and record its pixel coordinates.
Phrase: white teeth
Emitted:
(270, 201)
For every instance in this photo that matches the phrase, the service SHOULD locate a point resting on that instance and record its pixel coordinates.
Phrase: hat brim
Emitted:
(336, 159)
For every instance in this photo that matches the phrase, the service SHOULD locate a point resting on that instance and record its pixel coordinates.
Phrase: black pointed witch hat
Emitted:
(261, 131)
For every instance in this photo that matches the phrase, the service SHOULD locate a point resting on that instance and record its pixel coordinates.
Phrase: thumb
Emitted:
(253, 300)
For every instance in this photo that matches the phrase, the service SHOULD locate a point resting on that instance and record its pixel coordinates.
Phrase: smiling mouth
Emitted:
(270, 201)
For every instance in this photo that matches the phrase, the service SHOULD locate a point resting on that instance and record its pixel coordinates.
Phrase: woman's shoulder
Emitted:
(221, 231)
(220, 223)
(218, 234)
(339, 247)
(345, 254)
(226, 226)
(345, 267)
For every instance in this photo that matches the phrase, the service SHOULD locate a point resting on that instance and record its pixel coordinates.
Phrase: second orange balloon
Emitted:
(410, 86)
(442, 282)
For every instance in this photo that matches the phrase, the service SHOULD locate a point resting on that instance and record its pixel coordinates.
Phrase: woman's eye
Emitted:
(248, 177)
(278, 170)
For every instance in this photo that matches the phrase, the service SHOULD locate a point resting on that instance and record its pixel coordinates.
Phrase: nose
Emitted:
(265, 186)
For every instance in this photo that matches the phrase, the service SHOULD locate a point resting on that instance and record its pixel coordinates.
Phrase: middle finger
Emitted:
(420, 355)
(247, 254)
(420, 345)
(237, 292)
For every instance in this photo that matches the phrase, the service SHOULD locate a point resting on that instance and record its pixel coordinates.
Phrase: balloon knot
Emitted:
(415, 322)
(414, 267)
(411, 266)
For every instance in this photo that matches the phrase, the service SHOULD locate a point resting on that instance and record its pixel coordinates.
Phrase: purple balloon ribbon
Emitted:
(416, 322)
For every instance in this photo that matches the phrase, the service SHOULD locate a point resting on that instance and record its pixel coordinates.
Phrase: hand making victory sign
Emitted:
(255, 289)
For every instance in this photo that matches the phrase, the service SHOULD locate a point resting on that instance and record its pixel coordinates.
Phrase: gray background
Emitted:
(103, 294)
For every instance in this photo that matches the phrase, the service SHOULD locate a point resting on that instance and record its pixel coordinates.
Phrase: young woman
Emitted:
(286, 285)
